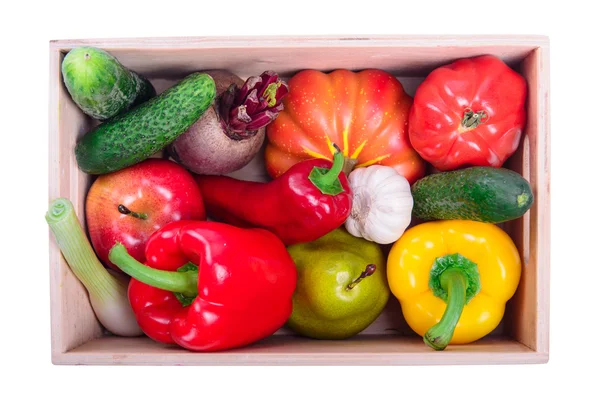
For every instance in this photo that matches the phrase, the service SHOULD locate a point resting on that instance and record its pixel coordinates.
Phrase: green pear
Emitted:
(342, 286)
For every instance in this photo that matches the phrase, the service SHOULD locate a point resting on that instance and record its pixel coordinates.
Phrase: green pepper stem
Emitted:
(454, 281)
(185, 283)
(327, 181)
(124, 210)
(336, 168)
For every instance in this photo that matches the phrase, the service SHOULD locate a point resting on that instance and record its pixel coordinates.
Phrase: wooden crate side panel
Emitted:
(400, 55)
(73, 320)
(285, 350)
(529, 309)
(543, 223)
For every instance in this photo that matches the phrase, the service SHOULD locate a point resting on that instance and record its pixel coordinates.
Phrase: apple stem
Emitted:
(369, 270)
(124, 210)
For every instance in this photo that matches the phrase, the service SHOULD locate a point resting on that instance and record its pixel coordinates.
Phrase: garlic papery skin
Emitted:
(382, 204)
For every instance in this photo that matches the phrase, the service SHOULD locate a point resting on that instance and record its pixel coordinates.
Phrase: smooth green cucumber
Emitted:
(146, 129)
(100, 85)
(485, 194)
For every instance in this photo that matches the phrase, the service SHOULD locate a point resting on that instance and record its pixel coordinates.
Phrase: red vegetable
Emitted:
(468, 113)
(209, 286)
(129, 205)
(232, 131)
(310, 200)
(365, 113)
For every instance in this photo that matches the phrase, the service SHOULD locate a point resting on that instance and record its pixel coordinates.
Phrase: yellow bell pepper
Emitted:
(453, 279)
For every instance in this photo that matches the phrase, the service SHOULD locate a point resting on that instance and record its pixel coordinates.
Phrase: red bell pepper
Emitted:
(468, 113)
(209, 286)
(309, 200)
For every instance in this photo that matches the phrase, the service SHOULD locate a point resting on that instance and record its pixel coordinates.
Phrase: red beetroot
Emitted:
(232, 131)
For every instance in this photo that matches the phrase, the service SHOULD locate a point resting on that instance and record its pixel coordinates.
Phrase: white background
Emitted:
(24, 292)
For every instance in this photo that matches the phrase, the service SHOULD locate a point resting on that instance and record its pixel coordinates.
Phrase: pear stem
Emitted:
(369, 270)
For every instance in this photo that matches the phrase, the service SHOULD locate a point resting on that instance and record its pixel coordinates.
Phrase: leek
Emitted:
(107, 291)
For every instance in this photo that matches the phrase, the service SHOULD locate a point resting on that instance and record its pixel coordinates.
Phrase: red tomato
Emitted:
(364, 113)
(470, 112)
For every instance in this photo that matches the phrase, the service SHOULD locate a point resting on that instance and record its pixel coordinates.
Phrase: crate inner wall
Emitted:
(73, 321)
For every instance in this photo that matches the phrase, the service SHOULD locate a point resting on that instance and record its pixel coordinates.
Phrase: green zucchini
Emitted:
(484, 194)
(100, 85)
(134, 136)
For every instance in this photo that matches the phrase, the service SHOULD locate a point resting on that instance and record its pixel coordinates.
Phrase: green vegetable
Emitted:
(137, 134)
(342, 286)
(107, 291)
(485, 194)
(100, 85)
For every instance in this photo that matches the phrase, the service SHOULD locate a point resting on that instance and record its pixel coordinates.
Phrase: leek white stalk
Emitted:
(107, 291)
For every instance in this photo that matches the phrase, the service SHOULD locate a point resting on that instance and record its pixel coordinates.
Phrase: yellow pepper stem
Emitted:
(455, 279)
(455, 283)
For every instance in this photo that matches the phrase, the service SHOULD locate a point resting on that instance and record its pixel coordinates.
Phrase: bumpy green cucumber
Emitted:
(146, 129)
(485, 194)
(100, 85)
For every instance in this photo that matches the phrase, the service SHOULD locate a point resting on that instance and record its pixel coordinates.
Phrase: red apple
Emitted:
(127, 206)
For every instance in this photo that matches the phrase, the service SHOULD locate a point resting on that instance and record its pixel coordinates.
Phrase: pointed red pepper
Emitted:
(208, 286)
(309, 200)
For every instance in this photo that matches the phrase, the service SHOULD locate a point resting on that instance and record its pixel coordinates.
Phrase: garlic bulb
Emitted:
(382, 204)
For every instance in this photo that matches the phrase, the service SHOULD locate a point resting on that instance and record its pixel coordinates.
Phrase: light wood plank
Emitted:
(529, 309)
(286, 350)
(73, 320)
(400, 55)
(540, 232)
(446, 41)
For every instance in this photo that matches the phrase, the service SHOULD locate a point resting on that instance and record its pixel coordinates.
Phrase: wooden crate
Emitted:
(522, 337)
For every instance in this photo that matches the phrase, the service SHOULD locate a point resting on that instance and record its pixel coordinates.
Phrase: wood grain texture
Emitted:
(529, 309)
(283, 42)
(287, 350)
(400, 55)
(73, 320)
(522, 337)
(543, 225)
